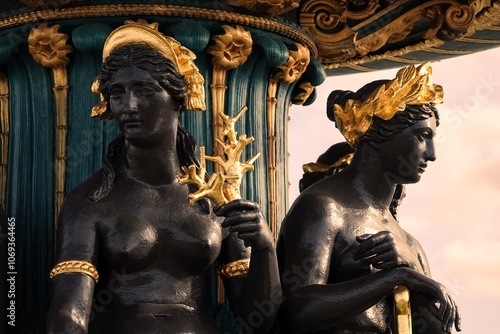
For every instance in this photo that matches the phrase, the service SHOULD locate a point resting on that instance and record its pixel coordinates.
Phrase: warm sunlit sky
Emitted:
(453, 211)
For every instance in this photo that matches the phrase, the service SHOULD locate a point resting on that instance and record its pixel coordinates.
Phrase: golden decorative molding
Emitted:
(449, 52)
(230, 51)
(478, 40)
(271, 101)
(288, 72)
(355, 63)
(273, 7)
(48, 47)
(4, 120)
(96, 11)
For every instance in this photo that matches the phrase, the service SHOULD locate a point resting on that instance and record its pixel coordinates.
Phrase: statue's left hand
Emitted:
(380, 250)
(244, 218)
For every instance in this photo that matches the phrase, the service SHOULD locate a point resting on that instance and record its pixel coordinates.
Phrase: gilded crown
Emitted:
(412, 86)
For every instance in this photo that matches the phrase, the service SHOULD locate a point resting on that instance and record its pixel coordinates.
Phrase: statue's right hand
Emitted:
(441, 305)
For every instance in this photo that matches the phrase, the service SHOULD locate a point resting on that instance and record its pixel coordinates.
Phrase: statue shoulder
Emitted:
(77, 200)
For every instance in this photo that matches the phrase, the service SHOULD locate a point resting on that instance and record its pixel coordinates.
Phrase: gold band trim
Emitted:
(234, 269)
(75, 266)
(161, 10)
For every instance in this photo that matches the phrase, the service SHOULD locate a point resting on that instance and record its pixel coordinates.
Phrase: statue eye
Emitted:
(424, 135)
(145, 91)
(116, 94)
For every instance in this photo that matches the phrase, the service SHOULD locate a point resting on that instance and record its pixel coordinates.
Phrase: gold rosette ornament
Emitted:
(412, 86)
(232, 48)
(295, 66)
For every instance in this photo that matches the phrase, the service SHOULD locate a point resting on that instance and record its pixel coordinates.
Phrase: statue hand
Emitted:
(244, 218)
(379, 250)
(441, 305)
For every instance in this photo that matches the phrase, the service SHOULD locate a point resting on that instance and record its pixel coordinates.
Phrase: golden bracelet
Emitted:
(75, 266)
(234, 269)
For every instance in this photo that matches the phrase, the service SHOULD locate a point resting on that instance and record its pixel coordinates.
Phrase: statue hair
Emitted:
(381, 130)
(162, 70)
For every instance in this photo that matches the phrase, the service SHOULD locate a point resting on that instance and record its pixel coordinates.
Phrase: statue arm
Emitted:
(259, 291)
(71, 298)
(311, 303)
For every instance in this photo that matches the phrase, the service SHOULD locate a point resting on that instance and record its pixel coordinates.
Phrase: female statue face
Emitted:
(406, 155)
(144, 110)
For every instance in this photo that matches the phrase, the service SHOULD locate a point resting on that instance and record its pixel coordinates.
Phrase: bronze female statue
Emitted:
(128, 234)
(341, 250)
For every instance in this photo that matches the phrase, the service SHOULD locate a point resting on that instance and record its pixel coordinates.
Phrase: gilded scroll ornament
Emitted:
(326, 21)
(224, 186)
(412, 86)
(48, 47)
(273, 7)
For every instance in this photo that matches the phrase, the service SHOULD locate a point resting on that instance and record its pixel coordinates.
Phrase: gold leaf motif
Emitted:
(232, 48)
(48, 47)
(412, 86)
(295, 66)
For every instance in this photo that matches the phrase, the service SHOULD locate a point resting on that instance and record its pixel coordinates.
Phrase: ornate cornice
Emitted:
(97, 11)
(348, 33)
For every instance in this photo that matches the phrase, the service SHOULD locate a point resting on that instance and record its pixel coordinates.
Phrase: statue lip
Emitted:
(422, 167)
(132, 122)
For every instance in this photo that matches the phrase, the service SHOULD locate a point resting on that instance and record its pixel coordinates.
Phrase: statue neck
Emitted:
(155, 165)
(369, 178)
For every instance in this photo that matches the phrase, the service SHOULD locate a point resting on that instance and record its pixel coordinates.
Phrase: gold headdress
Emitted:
(412, 86)
(141, 32)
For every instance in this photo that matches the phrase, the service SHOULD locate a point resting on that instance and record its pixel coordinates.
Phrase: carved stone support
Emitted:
(48, 47)
(4, 120)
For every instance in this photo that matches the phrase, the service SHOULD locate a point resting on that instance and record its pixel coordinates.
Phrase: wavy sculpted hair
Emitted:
(162, 70)
(381, 130)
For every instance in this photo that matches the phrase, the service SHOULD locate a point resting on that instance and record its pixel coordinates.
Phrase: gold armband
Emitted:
(75, 266)
(234, 269)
